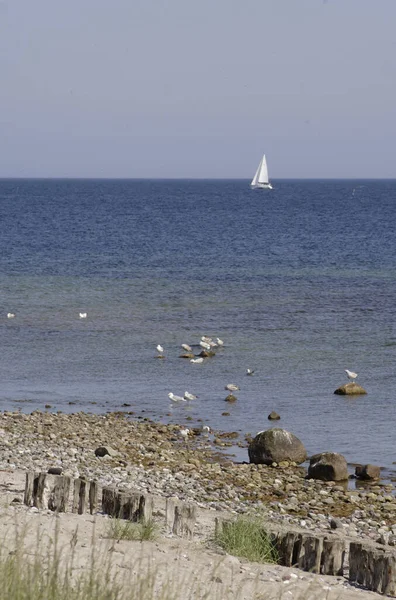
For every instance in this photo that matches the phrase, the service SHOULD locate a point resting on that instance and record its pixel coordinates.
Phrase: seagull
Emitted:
(205, 429)
(206, 339)
(10, 315)
(249, 371)
(160, 349)
(184, 433)
(231, 387)
(219, 342)
(205, 345)
(187, 348)
(176, 398)
(82, 315)
(351, 375)
(188, 396)
(197, 361)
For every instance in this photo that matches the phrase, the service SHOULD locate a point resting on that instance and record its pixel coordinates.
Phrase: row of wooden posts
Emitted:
(370, 565)
(47, 491)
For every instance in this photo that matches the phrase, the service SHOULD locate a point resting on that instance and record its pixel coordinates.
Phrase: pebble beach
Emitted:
(154, 458)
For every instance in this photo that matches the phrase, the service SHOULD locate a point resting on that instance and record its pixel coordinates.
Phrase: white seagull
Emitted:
(249, 371)
(10, 315)
(82, 315)
(205, 345)
(231, 387)
(219, 342)
(184, 433)
(187, 348)
(351, 375)
(176, 398)
(160, 349)
(188, 396)
(197, 361)
(205, 429)
(206, 339)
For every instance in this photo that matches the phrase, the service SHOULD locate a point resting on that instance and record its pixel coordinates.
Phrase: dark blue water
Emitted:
(300, 283)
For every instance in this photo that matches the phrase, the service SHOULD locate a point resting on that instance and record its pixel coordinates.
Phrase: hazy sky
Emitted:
(182, 88)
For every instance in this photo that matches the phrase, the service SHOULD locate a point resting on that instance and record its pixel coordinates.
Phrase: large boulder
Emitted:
(276, 445)
(328, 466)
(350, 389)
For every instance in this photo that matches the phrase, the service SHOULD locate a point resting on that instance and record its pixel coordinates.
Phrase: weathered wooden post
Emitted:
(310, 552)
(373, 568)
(80, 496)
(29, 488)
(122, 505)
(93, 496)
(333, 556)
(47, 491)
(180, 517)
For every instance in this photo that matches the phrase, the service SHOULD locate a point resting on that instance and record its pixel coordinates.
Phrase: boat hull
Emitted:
(262, 186)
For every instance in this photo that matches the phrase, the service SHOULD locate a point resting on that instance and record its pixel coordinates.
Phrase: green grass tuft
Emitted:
(120, 529)
(246, 538)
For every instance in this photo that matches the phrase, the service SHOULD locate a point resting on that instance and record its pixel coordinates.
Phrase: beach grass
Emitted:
(120, 529)
(246, 538)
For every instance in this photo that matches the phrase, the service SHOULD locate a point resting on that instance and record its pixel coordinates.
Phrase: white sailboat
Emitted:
(260, 179)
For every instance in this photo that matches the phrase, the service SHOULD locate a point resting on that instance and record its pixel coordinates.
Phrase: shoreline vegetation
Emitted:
(152, 458)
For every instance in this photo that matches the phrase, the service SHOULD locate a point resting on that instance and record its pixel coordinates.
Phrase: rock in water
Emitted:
(350, 389)
(273, 416)
(231, 398)
(276, 445)
(328, 466)
(367, 472)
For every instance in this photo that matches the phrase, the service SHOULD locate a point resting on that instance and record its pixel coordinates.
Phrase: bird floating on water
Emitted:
(206, 338)
(197, 361)
(351, 375)
(10, 315)
(205, 429)
(205, 345)
(188, 396)
(249, 371)
(219, 342)
(187, 348)
(231, 387)
(175, 398)
(161, 351)
(82, 315)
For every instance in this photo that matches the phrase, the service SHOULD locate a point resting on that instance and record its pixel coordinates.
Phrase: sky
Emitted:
(182, 88)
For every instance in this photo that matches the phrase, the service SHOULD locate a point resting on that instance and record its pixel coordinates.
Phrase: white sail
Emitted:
(263, 177)
(260, 179)
(256, 175)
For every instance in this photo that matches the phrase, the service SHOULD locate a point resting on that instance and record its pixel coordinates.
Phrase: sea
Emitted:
(299, 282)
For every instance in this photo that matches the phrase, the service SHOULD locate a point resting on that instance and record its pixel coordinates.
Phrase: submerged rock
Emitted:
(350, 389)
(231, 398)
(273, 416)
(328, 466)
(367, 472)
(276, 445)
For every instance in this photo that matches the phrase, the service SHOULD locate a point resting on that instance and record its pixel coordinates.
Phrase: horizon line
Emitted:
(92, 178)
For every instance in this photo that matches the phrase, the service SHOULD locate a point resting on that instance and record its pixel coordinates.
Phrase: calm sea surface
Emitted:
(299, 282)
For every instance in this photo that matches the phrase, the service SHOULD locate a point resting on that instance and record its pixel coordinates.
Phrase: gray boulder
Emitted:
(350, 389)
(367, 472)
(273, 416)
(276, 445)
(328, 466)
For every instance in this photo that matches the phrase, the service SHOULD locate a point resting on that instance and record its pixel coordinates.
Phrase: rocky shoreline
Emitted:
(153, 458)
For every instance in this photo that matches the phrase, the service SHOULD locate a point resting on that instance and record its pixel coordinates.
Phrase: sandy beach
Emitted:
(152, 458)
